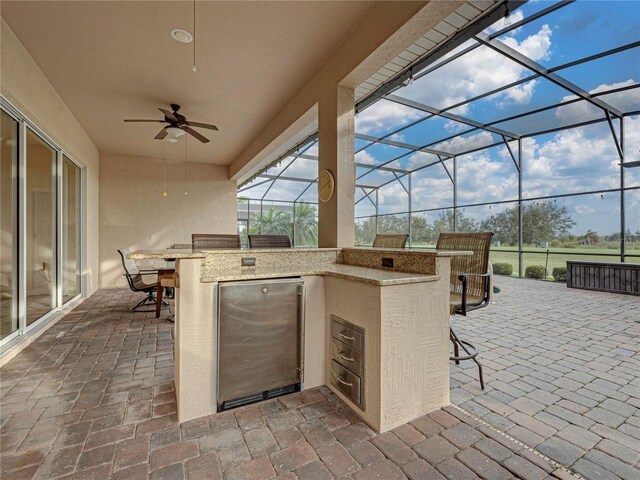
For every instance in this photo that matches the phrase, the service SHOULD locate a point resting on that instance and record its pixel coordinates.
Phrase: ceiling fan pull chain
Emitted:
(194, 36)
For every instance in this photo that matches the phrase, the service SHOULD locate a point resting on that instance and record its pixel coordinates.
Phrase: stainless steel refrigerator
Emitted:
(260, 338)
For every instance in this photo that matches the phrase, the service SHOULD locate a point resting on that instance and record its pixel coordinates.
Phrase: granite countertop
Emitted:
(374, 276)
(249, 251)
(166, 254)
(428, 253)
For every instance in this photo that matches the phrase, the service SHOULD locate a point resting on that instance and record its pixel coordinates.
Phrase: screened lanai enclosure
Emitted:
(530, 129)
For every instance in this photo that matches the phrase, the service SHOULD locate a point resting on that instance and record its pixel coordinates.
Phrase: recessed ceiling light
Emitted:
(181, 36)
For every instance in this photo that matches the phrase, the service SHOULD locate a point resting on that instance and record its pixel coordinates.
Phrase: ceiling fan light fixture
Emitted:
(181, 35)
(172, 140)
(175, 132)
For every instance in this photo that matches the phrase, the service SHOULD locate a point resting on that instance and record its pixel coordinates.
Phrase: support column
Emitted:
(335, 153)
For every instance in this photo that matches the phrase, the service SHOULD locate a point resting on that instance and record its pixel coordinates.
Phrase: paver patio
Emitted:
(562, 368)
(93, 398)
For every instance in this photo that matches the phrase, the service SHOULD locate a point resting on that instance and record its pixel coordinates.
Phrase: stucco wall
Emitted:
(24, 85)
(135, 215)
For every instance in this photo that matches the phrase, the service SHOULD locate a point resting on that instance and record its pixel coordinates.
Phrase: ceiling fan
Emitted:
(177, 125)
(635, 163)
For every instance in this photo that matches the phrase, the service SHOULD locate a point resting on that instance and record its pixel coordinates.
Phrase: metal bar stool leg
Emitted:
(456, 351)
(470, 350)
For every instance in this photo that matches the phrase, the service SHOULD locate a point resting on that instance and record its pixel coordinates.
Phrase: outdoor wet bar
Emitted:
(371, 324)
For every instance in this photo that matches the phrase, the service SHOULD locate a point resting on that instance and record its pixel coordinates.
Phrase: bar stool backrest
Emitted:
(269, 241)
(391, 240)
(214, 241)
(477, 264)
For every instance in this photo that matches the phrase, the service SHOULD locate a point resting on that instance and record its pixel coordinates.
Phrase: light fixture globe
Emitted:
(181, 35)
(175, 132)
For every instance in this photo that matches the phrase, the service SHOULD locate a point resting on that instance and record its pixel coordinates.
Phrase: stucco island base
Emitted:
(406, 370)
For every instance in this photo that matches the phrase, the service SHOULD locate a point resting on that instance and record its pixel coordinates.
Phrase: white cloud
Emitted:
(461, 144)
(480, 71)
(584, 110)
(364, 157)
(455, 127)
(418, 159)
(397, 137)
(477, 72)
(519, 94)
(505, 22)
(537, 47)
(482, 179)
(575, 160)
(584, 209)
(384, 116)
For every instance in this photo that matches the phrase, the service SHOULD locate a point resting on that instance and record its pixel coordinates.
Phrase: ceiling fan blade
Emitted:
(635, 163)
(202, 125)
(136, 120)
(168, 114)
(161, 134)
(193, 133)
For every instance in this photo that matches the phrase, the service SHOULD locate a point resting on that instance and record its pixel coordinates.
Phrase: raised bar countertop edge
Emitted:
(372, 276)
(166, 254)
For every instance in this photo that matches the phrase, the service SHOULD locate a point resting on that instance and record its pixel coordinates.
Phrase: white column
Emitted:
(336, 143)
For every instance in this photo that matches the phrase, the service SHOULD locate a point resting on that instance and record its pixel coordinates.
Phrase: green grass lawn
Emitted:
(537, 256)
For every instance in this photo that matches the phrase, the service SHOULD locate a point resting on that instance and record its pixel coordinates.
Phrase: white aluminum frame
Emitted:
(20, 229)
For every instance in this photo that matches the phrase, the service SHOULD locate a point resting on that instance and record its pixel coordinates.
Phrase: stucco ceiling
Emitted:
(115, 60)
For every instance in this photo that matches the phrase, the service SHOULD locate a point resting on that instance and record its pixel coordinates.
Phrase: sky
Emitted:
(568, 161)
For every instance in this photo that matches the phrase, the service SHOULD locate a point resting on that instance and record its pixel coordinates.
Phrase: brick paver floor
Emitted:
(93, 398)
(562, 368)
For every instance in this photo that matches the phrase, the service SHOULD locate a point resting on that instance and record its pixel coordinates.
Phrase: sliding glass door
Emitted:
(71, 239)
(40, 227)
(8, 225)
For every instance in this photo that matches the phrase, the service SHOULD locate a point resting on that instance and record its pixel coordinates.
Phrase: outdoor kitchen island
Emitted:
(378, 337)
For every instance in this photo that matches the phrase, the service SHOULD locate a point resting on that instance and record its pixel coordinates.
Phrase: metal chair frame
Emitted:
(476, 278)
(136, 284)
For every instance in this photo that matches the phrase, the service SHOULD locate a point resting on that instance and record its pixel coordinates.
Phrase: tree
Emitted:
(273, 222)
(306, 225)
(444, 222)
(365, 231)
(421, 231)
(541, 221)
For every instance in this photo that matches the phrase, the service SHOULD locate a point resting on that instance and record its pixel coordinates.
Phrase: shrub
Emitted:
(559, 274)
(534, 271)
(502, 268)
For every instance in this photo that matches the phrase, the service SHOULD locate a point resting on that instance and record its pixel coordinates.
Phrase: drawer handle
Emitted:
(346, 359)
(342, 381)
(351, 339)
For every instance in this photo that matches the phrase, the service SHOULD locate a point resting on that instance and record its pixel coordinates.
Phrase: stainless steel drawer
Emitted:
(347, 333)
(349, 357)
(347, 382)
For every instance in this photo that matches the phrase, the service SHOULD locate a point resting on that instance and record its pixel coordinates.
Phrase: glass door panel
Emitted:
(40, 228)
(70, 229)
(8, 218)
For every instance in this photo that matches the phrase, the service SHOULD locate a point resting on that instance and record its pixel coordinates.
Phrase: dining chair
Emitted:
(391, 240)
(137, 284)
(269, 241)
(470, 284)
(215, 241)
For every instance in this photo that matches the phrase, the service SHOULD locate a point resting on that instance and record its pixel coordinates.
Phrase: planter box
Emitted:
(604, 276)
